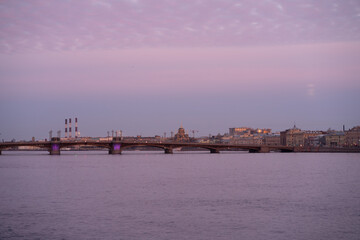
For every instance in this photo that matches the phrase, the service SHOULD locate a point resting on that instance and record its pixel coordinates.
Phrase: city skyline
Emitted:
(146, 68)
(73, 132)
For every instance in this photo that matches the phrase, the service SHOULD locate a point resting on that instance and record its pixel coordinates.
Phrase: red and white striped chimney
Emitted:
(66, 132)
(76, 128)
(69, 127)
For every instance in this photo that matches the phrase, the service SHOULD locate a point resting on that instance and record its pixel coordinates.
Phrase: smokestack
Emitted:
(343, 128)
(76, 128)
(66, 132)
(69, 127)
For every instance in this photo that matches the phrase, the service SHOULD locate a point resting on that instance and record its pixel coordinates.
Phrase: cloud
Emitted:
(190, 29)
(133, 1)
(100, 3)
(36, 26)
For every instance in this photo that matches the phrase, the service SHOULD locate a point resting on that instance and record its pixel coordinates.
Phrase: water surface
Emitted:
(192, 195)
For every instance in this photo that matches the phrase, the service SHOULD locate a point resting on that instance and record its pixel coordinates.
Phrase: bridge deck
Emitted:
(166, 146)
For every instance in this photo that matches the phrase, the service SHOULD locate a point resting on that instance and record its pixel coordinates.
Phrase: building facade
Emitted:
(248, 131)
(352, 137)
(335, 139)
(296, 137)
(288, 137)
(272, 140)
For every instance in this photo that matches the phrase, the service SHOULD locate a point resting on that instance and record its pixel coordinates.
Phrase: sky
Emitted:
(145, 67)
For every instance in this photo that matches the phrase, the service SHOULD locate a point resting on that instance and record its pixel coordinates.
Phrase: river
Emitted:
(185, 195)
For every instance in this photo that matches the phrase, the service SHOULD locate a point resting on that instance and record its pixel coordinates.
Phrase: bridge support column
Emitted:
(264, 149)
(168, 150)
(55, 148)
(115, 148)
(214, 150)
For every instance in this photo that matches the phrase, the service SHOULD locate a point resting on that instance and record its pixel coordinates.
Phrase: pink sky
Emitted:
(332, 66)
(306, 51)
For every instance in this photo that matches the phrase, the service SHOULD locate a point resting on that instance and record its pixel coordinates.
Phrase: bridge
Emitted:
(116, 146)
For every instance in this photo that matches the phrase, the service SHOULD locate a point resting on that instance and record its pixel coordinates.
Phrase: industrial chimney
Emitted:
(76, 128)
(66, 132)
(69, 127)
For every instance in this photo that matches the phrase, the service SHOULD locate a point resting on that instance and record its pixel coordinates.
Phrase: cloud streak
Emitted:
(35, 26)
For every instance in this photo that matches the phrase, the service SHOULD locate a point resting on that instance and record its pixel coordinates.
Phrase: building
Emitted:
(335, 139)
(247, 140)
(316, 141)
(307, 138)
(297, 137)
(239, 131)
(271, 140)
(181, 136)
(287, 137)
(352, 137)
(248, 131)
(262, 131)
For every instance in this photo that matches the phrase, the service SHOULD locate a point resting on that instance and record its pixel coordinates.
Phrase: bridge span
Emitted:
(116, 146)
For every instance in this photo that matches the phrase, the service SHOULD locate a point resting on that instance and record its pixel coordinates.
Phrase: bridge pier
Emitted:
(168, 150)
(263, 149)
(286, 150)
(115, 148)
(214, 150)
(54, 148)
